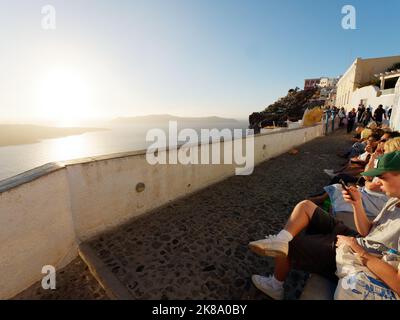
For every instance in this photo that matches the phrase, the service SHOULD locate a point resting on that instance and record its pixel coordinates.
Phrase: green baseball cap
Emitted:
(388, 163)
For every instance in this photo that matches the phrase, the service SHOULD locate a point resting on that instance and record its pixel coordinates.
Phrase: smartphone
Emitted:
(346, 187)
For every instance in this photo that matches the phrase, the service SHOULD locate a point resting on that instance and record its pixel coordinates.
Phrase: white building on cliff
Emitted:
(369, 82)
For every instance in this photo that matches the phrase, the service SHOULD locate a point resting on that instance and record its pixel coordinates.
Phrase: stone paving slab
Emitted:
(196, 247)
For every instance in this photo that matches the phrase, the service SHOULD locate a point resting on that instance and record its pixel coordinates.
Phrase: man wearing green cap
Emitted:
(366, 261)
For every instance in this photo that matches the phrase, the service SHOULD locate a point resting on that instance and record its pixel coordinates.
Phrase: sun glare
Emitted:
(64, 97)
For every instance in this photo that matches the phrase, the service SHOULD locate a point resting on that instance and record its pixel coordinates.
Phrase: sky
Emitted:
(225, 58)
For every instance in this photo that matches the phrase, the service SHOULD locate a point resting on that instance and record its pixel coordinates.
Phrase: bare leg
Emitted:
(300, 217)
(282, 268)
(299, 220)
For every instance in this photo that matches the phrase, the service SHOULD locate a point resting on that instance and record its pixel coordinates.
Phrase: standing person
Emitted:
(360, 112)
(342, 116)
(366, 117)
(328, 112)
(351, 118)
(379, 114)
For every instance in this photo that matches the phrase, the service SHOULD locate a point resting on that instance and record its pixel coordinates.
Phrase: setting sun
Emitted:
(64, 95)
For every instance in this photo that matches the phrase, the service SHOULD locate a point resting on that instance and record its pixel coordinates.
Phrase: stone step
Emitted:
(112, 286)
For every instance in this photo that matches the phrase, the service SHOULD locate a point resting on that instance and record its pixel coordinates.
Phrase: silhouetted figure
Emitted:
(360, 112)
(379, 114)
(389, 113)
(366, 117)
(351, 118)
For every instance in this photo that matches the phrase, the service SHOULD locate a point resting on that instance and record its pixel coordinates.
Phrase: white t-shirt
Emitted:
(356, 281)
(385, 232)
(363, 157)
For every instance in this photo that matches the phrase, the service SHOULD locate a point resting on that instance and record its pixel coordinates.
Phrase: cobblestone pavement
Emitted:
(73, 282)
(196, 247)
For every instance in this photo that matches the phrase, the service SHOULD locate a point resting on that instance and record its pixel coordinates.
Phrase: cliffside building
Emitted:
(367, 81)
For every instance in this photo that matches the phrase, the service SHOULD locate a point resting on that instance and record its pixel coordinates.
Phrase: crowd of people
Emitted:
(361, 253)
(362, 116)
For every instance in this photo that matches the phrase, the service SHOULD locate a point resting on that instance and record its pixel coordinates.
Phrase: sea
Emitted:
(117, 138)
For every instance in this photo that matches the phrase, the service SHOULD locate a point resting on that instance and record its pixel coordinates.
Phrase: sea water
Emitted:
(118, 138)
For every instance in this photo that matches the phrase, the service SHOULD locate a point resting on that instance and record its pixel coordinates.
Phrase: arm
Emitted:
(384, 271)
(361, 220)
(371, 163)
(356, 160)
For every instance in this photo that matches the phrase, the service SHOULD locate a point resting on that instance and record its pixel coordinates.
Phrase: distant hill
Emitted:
(162, 118)
(16, 134)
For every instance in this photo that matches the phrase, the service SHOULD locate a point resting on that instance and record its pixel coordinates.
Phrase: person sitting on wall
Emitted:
(309, 239)
(356, 164)
(359, 144)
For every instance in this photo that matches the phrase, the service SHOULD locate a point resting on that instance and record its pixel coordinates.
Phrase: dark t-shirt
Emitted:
(378, 114)
(351, 115)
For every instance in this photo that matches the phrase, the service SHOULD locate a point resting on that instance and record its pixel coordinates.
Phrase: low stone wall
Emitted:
(47, 212)
(36, 229)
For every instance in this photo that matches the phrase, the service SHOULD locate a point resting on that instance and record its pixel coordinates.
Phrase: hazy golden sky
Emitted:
(190, 58)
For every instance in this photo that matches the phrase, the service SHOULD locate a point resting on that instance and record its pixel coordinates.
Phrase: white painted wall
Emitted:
(395, 119)
(35, 230)
(43, 221)
(370, 93)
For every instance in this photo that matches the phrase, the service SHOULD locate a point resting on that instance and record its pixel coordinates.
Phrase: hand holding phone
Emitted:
(346, 188)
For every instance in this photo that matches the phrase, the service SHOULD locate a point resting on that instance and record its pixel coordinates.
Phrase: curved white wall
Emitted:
(44, 219)
(36, 229)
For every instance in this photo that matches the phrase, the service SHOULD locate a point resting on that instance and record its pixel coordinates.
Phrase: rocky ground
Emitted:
(196, 247)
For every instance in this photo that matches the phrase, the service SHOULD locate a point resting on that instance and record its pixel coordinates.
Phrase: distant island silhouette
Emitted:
(163, 118)
(17, 134)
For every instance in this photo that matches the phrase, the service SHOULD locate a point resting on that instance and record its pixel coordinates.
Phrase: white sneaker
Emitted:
(265, 285)
(271, 246)
(330, 172)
